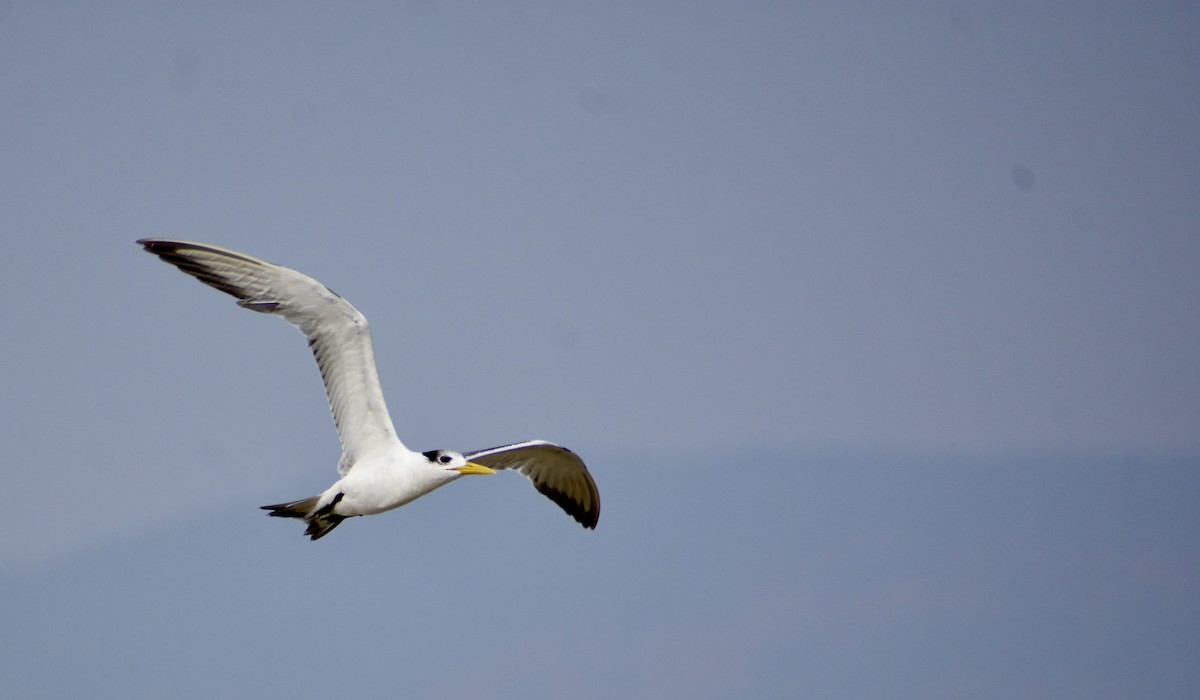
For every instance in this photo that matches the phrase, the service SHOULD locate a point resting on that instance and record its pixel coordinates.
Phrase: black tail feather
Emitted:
(319, 523)
(295, 509)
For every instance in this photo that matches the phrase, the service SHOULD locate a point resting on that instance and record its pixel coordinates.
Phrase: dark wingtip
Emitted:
(588, 517)
(168, 251)
(154, 245)
(584, 515)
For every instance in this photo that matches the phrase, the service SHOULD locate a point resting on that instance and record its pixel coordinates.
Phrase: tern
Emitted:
(378, 473)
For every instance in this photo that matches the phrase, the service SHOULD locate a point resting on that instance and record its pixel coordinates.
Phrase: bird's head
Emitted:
(454, 462)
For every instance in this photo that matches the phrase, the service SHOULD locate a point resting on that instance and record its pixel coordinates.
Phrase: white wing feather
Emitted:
(337, 333)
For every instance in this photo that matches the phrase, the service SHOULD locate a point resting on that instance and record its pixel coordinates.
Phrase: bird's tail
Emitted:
(319, 522)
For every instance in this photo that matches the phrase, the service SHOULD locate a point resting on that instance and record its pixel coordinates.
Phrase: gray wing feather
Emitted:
(556, 472)
(337, 333)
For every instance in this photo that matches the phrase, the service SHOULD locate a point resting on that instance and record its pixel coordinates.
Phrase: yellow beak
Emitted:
(473, 468)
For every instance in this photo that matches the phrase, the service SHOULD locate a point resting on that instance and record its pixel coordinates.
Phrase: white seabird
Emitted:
(378, 473)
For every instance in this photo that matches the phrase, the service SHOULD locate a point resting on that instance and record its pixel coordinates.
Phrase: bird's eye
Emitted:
(444, 459)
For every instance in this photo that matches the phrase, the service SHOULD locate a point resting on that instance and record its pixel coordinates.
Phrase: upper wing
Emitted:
(337, 333)
(554, 470)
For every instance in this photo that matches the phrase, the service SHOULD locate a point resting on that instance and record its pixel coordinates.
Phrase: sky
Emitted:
(875, 323)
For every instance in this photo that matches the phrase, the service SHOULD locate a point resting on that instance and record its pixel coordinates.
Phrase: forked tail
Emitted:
(320, 522)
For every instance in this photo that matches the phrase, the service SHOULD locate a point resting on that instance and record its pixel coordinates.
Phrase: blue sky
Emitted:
(860, 313)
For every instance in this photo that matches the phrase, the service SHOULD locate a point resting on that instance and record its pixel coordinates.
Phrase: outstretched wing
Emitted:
(337, 333)
(558, 473)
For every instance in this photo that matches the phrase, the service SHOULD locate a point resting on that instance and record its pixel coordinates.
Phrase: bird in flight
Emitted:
(378, 473)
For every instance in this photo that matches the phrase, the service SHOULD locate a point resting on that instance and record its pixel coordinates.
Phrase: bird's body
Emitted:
(378, 473)
(376, 484)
